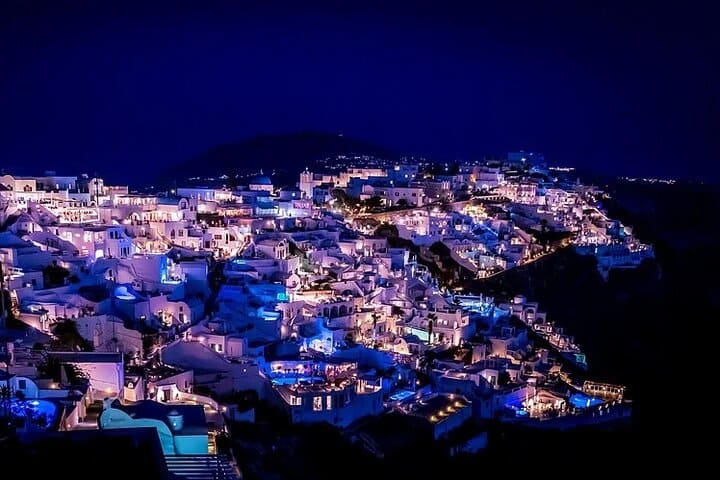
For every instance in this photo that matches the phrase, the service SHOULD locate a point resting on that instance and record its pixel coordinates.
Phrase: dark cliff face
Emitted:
(284, 153)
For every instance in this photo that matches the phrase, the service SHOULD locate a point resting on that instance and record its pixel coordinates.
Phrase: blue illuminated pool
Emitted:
(580, 400)
(42, 413)
(401, 395)
(292, 380)
(516, 408)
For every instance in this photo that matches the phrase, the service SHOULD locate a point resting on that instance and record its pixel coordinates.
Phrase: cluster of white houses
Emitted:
(312, 311)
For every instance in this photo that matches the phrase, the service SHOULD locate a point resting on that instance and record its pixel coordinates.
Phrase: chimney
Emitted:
(176, 420)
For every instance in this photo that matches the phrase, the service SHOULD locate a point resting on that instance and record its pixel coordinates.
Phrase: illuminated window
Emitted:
(317, 403)
(328, 402)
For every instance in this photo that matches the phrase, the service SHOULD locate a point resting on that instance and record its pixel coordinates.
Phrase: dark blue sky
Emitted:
(117, 86)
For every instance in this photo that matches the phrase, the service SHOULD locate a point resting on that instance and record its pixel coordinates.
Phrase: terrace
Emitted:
(437, 408)
(320, 385)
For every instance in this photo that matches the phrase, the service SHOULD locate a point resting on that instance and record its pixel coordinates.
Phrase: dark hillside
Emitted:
(284, 153)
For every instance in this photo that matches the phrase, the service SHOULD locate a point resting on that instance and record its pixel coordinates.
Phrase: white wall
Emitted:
(236, 347)
(108, 378)
(71, 420)
(30, 389)
(101, 330)
(135, 394)
(183, 381)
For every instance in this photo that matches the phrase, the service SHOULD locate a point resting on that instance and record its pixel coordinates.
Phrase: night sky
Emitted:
(118, 86)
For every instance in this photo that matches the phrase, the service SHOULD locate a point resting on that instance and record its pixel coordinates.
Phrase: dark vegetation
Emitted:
(271, 152)
(295, 452)
(54, 275)
(51, 367)
(6, 304)
(448, 264)
(445, 271)
(68, 339)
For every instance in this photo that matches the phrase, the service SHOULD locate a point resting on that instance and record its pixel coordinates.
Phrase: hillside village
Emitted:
(333, 300)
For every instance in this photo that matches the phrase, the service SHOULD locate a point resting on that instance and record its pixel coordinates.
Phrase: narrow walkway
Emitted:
(90, 422)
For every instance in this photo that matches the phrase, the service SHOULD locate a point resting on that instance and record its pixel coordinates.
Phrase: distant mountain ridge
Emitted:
(291, 152)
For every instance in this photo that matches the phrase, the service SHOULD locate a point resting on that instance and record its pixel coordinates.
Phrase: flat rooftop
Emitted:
(436, 408)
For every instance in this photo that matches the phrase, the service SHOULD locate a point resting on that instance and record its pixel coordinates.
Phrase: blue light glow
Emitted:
(122, 293)
(292, 380)
(42, 413)
(401, 395)
(580, 400)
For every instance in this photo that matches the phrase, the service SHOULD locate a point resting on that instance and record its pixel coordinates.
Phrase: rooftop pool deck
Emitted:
(581, 400)
(401, 395)
(577, 400)
(293, 379)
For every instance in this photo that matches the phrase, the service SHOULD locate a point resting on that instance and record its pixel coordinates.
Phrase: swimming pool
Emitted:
(580, 400)
(42, 413)
(401, 395)
(516, 408)
(292, 380)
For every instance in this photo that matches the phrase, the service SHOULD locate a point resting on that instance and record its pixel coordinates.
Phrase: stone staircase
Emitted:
(201, 467)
